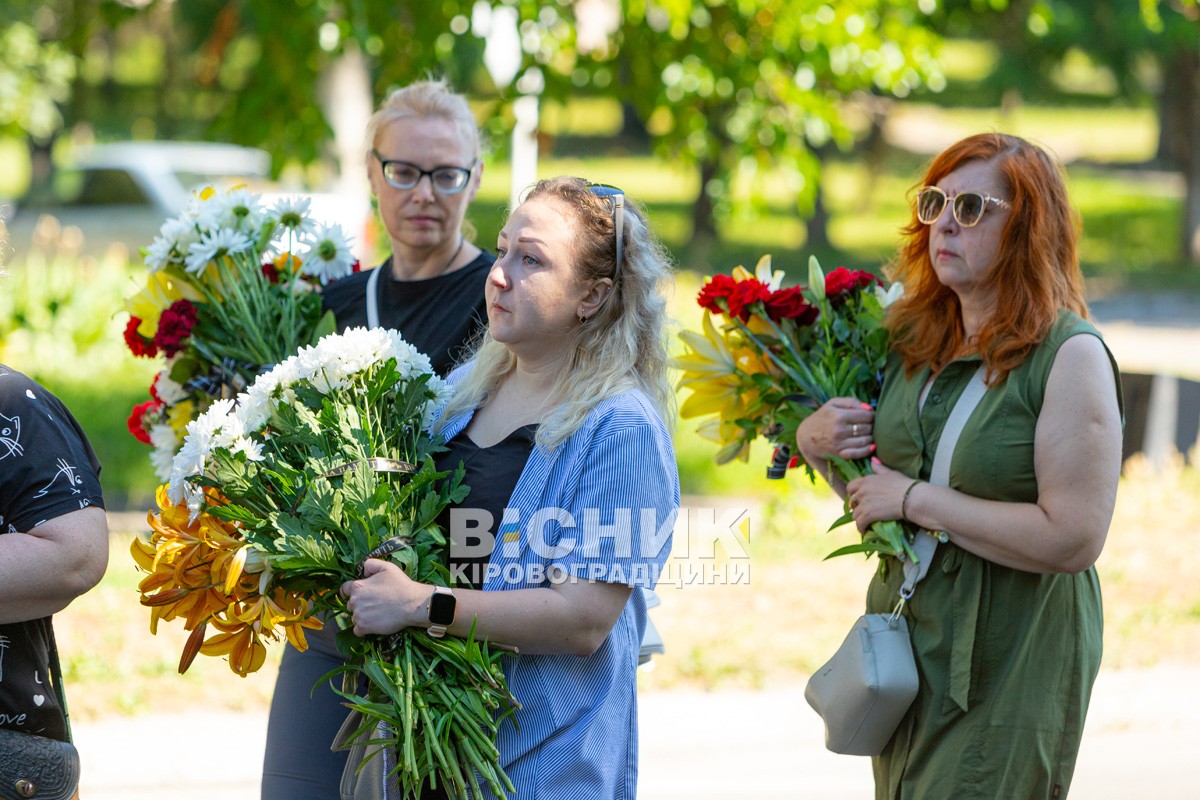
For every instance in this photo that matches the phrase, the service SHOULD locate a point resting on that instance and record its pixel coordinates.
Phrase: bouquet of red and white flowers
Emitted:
(231, 289)
(777, 354)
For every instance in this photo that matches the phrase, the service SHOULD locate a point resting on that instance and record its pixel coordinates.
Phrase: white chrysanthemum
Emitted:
(442, 394)
(332, 363)
(239, 209)
(292, 215)
(198, 442)
(215, 244)
(168, 390)
(410, 361)
(329, 257)
(255, 405)
(164, 441)
(251, 448)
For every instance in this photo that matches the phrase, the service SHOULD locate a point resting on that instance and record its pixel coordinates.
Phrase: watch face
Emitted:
(441, 608)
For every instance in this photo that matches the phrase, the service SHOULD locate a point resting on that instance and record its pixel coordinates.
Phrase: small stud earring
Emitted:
(583, 320)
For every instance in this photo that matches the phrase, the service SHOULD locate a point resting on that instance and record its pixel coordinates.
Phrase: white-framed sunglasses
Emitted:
(967, 207)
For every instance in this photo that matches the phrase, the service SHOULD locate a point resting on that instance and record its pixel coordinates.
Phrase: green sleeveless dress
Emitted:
(1006, 658)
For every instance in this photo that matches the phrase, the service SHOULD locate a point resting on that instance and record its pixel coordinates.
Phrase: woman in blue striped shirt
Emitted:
(559, 420)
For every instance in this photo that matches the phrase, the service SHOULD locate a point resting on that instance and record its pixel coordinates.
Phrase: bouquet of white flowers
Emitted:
(278, 496)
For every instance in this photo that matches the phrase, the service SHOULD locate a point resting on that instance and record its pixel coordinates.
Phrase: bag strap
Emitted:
(56, 676)
(924, 546)
(373, 297)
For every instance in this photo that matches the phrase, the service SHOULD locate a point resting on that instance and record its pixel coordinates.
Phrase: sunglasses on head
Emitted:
(618, 199)
(968, 207)
(405, 175)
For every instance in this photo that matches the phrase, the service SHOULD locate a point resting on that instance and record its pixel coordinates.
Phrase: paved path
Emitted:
(1140, 742)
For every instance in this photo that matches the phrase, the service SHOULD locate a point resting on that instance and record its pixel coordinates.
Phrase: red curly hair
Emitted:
(1036, 272)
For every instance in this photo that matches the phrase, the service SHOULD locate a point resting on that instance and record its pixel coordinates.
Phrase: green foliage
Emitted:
(35, 76)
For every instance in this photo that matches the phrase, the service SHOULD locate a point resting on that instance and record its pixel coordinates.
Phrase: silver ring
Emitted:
(854, 429)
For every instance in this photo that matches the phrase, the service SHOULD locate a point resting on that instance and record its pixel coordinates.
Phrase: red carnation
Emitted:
(139, 345)
(719, 287)
(137, 420)
(270, 272)
(175, 326)
(789, 303)
(745, 294)
(842, 281)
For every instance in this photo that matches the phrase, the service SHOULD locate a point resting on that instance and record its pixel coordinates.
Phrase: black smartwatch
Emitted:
(441, 611)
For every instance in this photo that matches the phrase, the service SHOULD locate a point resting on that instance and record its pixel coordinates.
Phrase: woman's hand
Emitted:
(878, 497)
(842, 427)
(385, 600)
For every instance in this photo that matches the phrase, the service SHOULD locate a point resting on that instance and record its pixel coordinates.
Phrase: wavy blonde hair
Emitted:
(1036, 272)
(622, 347)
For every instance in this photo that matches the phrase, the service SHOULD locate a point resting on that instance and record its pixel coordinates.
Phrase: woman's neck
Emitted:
(410, 264)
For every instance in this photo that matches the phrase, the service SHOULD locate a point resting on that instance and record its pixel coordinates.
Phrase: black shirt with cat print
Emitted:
(47, 469)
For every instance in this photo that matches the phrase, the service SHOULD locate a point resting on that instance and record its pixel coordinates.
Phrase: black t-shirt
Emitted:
(492, 473)
(47, 469)
(438, 316)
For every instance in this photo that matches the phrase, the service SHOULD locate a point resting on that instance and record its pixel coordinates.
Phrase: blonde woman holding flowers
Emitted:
(559, 421)
(424, 161)
(1006, 626)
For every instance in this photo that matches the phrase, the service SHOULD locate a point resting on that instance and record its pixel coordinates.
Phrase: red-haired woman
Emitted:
(1007, 624)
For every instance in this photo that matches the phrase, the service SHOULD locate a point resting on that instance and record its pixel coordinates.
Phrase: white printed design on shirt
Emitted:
(10, 437)
(66, 471)
(3, 647)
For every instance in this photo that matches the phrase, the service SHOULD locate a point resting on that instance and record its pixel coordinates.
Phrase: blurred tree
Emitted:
(745, 92)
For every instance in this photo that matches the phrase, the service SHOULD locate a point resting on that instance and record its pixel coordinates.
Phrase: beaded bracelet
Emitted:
(904, 501)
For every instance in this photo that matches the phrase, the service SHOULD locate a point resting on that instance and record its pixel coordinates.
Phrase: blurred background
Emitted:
(788, 127)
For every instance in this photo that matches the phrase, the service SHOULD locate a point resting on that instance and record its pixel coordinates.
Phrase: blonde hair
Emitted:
(622, 347)
(430, 98)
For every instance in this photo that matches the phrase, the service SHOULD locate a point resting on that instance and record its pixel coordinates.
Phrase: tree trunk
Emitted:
(1177, 116)
(704, 221)
(816, 227)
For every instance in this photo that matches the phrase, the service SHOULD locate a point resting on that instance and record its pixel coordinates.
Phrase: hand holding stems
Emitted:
(879, 496)
(837, 439)
(386, 600)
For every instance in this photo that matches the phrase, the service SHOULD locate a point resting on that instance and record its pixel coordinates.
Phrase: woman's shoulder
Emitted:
(627, 410)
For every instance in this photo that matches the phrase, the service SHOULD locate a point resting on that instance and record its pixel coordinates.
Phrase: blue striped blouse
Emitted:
(601, 506)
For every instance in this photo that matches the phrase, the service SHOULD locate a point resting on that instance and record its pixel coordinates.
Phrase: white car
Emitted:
(122, 193)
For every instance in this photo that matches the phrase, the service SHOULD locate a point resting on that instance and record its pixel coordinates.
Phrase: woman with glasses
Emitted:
(423, 159)
(558, 419)
(1006, 625)
(424, 162)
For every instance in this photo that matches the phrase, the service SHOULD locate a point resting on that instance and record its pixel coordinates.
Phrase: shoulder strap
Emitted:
(56, 676)
(924, 546)
(373, 297)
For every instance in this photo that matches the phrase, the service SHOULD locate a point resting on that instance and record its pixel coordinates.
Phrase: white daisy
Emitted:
(239, 209)
(329, 257)
(215, 244)
(292, 214)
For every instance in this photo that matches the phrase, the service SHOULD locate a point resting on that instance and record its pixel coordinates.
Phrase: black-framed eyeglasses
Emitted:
(968, 207)
(618, 198)
(406, 175)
